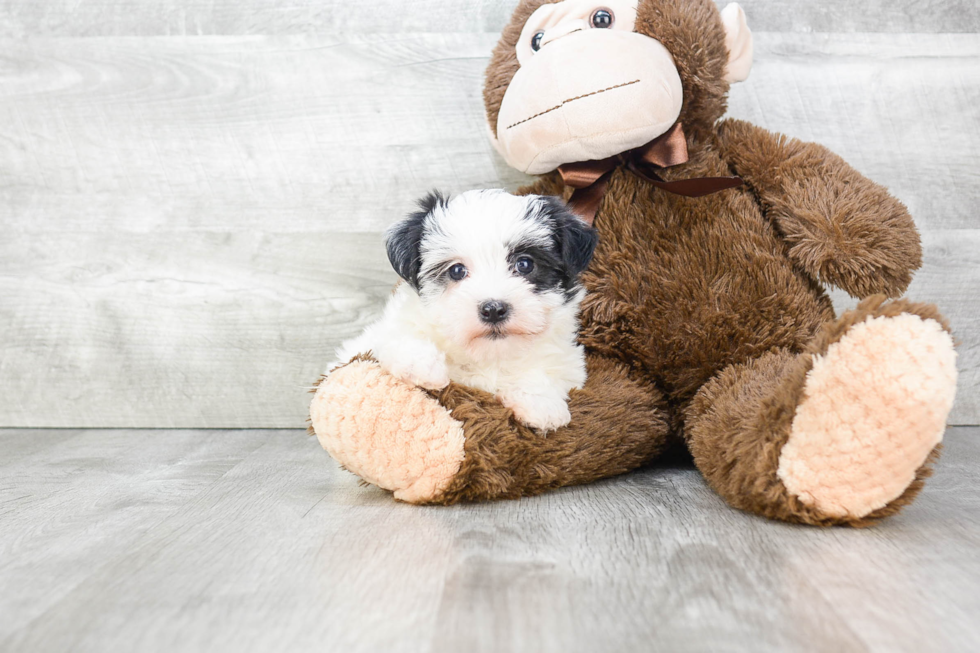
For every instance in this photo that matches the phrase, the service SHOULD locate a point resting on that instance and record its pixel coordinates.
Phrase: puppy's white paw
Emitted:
(543, 412)
(420, 363)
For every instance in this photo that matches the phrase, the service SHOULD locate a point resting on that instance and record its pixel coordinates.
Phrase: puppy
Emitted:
(490, 300)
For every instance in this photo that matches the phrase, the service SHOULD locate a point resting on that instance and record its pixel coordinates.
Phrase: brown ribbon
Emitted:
(590, 179)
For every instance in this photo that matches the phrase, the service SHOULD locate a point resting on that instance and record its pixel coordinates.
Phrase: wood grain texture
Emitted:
(176, 329)
(191, 224)
(291, 134)
(901, 16)
(27, 18)
(254, 541)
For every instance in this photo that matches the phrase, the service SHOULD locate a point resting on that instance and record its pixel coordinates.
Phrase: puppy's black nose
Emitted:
(494, 311)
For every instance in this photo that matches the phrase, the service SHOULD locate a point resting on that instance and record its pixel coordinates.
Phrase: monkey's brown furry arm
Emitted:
(842, 228)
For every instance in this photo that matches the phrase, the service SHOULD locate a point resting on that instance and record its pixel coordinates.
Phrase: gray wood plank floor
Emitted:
(254, 541)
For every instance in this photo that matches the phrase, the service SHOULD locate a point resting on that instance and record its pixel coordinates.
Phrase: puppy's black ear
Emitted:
(404, 239)
(576, 239)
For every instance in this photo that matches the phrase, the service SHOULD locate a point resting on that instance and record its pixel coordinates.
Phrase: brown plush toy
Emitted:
(706, 321)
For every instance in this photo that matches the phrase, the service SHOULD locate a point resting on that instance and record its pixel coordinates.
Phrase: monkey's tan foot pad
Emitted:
(874, 407)
(388, 432)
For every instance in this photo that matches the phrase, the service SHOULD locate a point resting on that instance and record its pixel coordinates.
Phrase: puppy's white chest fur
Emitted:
(490, 301)
(530, 374)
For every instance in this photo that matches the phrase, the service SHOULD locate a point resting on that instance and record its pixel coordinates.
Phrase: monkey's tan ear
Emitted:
(738, 38)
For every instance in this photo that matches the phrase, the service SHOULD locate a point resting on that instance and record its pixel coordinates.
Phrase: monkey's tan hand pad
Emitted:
(875, 406)
(388, 432)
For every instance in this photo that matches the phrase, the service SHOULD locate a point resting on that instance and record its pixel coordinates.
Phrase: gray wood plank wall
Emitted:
(192, 193)
(268, 17)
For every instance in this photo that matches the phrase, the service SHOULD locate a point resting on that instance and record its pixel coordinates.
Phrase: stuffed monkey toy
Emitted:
(706, 323)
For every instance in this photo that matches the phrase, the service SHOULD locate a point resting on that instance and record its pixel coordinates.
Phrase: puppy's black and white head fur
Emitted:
(491, 267)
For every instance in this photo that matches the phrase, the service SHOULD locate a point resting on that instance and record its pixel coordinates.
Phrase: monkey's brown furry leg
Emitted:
(617, 425)
(462, 445)
(843, 433)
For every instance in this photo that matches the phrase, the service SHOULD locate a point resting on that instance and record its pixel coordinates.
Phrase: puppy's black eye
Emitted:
(457, 272)
(602, 18)
(536, 41)
(525, 265)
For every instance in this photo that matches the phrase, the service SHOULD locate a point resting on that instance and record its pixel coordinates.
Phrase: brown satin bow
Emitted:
(590, 179)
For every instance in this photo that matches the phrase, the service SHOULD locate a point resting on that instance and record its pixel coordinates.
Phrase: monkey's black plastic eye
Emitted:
(602, 18)
(536, 41)
(457, 272)
(525, 265)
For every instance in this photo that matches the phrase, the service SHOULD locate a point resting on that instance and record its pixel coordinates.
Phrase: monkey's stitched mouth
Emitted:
(578, 97)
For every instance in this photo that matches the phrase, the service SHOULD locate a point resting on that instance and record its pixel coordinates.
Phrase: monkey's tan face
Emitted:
(588, 87)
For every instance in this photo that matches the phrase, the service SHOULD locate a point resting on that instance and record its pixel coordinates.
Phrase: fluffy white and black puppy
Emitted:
(490, 301)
